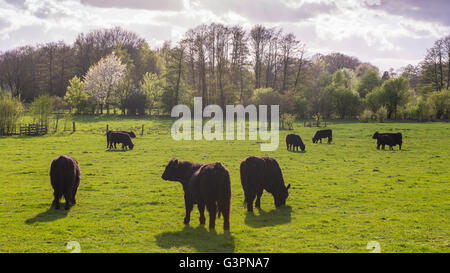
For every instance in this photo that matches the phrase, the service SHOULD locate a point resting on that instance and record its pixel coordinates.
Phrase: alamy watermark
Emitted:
(258, 123)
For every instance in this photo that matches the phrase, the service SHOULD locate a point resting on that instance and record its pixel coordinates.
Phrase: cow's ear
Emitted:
(289, 185)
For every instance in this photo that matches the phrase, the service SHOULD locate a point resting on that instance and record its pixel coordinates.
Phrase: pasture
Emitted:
(342, 195)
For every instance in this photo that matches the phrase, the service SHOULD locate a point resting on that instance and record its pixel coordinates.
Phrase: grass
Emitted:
(342, 195)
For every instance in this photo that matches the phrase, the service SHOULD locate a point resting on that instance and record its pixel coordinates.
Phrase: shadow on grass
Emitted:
(298, 152)
(49, 215)
(199, 238)
(274, 217)
(115, 151)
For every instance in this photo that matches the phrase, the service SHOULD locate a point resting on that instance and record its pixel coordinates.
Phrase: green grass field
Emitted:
(342, 195)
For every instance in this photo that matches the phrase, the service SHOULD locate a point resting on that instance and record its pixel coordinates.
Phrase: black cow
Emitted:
(259, 174)
(123, 138)
(385, 140)
(205, 185)
(397, 138)
(323, 134)
(109, 143)
(294, 141)
(65, 178)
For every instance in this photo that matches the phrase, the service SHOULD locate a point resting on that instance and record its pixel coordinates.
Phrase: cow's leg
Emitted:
(399, 146)
(189, 205)
(249, 198)
(225, 209)
(320, 141)
(68, 197)
(201, 210)
(258, 198)
(212, 209)
(57, 196)
(383, 145)
(74, 192)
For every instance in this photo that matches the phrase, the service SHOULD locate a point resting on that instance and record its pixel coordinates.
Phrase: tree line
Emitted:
(115, 68)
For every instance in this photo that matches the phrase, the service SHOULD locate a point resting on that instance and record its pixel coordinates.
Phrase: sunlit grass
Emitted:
(343, 194)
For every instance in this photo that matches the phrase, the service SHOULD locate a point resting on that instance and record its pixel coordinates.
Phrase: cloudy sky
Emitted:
(387, 33)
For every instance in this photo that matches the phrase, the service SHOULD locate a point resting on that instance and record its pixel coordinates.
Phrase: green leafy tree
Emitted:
(394, 95)
(368, 82)
(76, 96)
(153, 88)
(440, 103)
(346, 102)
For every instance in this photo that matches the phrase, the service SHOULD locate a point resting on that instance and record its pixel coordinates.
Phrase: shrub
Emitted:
(365, 116)
(288, 121)
(11, 109)
(41, 109)
(381, 114)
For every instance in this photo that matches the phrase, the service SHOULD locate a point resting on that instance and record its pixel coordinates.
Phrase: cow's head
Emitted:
(131, 146)
(281, 196)
(314, 140)
(375, 136)
(302, 146)
(172, 170)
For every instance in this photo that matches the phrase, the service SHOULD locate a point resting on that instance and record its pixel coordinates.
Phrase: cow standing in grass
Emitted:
(385, 140)
(294, 141)
(109, 143)
(122, 138)
(259, 174)
(395, 139)
(207, 185)
(65, 178)
(323, 134)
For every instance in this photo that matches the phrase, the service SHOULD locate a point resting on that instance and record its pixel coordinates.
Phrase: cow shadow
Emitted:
(49, 215)
(274, 217)
(298, 152)
(200, 238)
(116, 151)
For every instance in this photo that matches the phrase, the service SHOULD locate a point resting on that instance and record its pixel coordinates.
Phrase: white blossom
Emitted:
(103, 78)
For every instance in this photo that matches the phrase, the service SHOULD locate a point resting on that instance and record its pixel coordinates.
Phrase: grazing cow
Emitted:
(397, 138)
(294, 141)
(123, 138)
(205, 185)
(385, 140)
(108, 137)
(323, 134)
(259, 174)
(65, 177)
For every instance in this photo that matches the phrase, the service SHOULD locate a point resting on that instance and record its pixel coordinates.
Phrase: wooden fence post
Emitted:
(73, 123)
(107, 128)
(142, 132)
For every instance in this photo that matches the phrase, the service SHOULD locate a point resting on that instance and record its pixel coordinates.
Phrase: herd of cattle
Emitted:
(206, 185)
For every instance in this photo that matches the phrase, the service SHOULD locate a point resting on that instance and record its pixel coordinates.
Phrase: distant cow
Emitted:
(108, 137)
(294, 141)
(323, 134)
(259, 174)
(205, 185)
(385, 140)
(65, 177)
(118, 137)
(397, 138)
